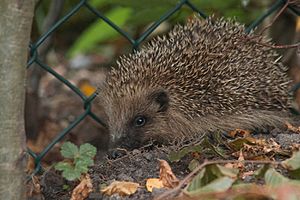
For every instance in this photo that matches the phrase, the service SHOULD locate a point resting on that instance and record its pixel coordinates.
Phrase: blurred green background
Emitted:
(84, 33)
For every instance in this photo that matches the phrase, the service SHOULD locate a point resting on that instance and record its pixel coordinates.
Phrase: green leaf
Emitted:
(69, 150)
(99, 31)
(175, 156)
(145, 4)
(146, 11)
(97, 3)
(66, 187)
(209, 174)
(243, 186)
(220, 171)
(273, 178)
(213, 178)
(261, 171)
(82, 158)
(63, 166)
(295, 174)
(197, 181)
(292, 163)
(87, 150)
(152, 14)
(69, 172)
(81, 167)
(218, 185)
(71, 175)
(238, 143)
(193, 164)
(86, 161)
(82, 164)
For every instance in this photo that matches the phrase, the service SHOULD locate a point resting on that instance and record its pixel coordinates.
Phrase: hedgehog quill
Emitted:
(205, 76)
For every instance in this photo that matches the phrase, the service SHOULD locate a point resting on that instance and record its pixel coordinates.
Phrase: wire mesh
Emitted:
(86, 101)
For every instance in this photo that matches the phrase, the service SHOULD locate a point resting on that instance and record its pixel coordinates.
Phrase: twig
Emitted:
(283, 46)
(288, 2)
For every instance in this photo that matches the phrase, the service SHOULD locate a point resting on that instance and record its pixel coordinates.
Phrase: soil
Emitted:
(140, 164)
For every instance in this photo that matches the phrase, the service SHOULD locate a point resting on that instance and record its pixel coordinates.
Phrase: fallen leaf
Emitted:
(238, 165)
(86, 87)
(255, 149)
(221, 184)
(241, 156)
(166, 175)
(193, 164)
(83, 189)
(239, 132)
(175, 156)
(295, 147)
(271, 146)
(273, 178)
(239, 143)
(292, 128)
(196, 155)
(123, 188)
(153, 183)
(33, 188)
(292, 163)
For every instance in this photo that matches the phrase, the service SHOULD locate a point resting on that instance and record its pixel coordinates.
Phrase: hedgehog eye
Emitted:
(140, 121)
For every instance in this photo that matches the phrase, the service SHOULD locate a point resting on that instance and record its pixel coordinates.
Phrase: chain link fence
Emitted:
(86, 101)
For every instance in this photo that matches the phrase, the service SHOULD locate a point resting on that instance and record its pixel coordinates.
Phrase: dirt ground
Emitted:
(140, 164)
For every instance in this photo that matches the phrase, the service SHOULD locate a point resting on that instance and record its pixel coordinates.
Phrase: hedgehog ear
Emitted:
(161, 97)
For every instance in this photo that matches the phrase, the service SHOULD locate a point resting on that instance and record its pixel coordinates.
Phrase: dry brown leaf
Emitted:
(272, 146)
(122, 188)
(86, 87)
(256, 141)
(258, 149)
(292, 128)
(240, 132)
(241, 165)
(153, 183)
(166, 175)
(83, 189)
(247, 174)
(33, 187)
(241, 156)
(196, 155)
(295, 147)
(237, 165)
(166, 179)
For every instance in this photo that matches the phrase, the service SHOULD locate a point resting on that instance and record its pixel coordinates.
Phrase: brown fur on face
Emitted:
(152, 106)
(206, 76)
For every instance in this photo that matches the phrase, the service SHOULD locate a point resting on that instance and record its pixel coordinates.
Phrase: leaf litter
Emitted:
(257, 166)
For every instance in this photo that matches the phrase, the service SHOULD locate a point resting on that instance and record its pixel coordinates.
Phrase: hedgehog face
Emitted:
(135, 119)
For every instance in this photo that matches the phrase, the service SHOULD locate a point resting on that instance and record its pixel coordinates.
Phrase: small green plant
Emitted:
(77, 160)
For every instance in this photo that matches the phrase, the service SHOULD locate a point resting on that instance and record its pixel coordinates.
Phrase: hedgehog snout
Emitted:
(125, 141)
(115, 137)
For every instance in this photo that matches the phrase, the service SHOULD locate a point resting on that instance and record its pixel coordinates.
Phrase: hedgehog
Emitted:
(202, 77)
